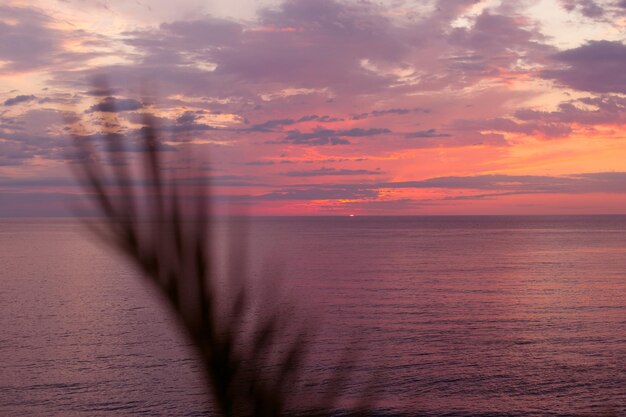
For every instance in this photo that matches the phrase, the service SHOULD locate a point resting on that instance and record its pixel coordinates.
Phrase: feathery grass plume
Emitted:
(163, 228)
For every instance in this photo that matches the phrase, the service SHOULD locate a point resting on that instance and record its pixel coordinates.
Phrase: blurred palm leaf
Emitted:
(165, 232)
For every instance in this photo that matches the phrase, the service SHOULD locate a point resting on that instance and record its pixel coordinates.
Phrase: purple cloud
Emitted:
(598, 110)
(597, 66)
(19, 99)
(188, 117)
(270, 125)
(31, 42)
(493, 43)
(330, 172)
(608, 182)
(320, 193)
(430, 133)
(115, 105)
(273, 125)
(325, 46)
(501, 124)
(321, 136)
(378, 113)
(355, 132)
(320, 119)
(335, 50)
(588, 8)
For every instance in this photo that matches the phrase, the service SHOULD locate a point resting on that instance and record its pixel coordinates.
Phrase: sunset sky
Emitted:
(321, 107)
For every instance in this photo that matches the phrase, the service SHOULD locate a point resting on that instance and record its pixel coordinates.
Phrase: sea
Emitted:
(444, 315)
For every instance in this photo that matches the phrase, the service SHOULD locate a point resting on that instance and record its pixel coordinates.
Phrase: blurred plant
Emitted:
(253, 359)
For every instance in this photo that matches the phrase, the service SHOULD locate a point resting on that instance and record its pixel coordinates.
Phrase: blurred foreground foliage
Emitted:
(253, 359)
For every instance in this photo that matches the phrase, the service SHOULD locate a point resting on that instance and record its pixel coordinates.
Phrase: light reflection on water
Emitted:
(462, 315)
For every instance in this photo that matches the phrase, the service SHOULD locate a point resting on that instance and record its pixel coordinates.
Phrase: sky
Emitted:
(325, 107)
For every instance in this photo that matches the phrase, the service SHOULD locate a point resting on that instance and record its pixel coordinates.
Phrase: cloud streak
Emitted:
(324, 172)
(115, 105)
(19, 99)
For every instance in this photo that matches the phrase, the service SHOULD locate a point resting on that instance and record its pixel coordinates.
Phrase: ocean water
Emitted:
(454, 316)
